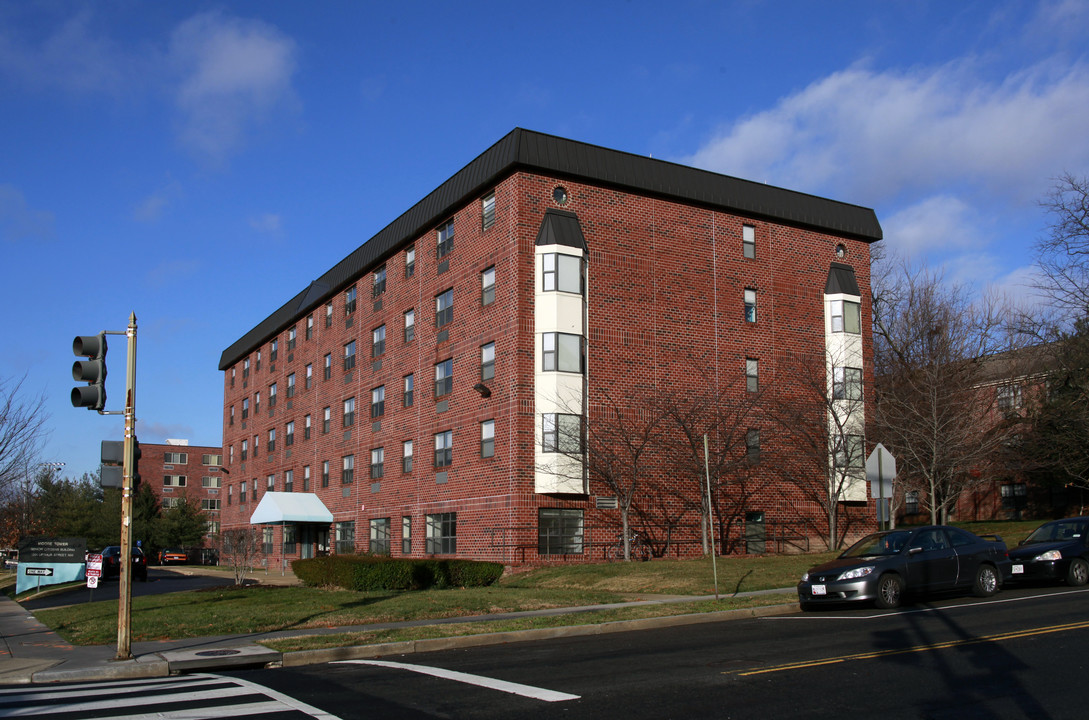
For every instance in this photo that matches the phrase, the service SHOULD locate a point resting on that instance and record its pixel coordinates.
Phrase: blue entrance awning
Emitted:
(285, 507)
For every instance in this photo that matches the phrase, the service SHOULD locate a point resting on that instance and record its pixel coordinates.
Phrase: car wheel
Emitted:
(890, 591)
(1078, 573)
(987, 583)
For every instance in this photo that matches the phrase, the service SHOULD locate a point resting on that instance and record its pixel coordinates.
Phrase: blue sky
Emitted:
(199, 163)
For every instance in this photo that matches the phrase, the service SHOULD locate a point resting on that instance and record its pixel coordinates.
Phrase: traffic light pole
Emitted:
(124, 605)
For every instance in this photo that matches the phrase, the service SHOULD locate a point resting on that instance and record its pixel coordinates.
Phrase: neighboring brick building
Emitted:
(415, 399)
(178, 469)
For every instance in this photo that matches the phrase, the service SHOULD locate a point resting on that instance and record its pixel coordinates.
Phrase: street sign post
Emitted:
(880, 471)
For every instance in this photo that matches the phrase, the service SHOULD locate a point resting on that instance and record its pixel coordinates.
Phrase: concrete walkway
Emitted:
(31, 653)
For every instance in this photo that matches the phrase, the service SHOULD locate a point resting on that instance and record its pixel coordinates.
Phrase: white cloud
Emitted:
(270, 223)
(871, 137)
(939, 222)
(18, 221)
(234, 74)
(151, 208)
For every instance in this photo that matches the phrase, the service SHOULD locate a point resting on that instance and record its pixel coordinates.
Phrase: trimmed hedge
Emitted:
(379, 572)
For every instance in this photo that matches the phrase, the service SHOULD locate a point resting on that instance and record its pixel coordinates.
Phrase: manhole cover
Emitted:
(216, 653)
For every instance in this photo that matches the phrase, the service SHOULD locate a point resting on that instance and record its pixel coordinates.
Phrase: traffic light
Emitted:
(113, 460)
(91, 371)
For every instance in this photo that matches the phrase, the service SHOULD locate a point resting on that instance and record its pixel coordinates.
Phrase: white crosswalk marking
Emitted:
(529, 691)
(190, 697)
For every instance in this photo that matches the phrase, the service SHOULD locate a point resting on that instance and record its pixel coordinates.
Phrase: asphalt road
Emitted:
(159, 580)
(1018, 655)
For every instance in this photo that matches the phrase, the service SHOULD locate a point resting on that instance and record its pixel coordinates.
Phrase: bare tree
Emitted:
(933, 409)
(1063, 254)
(240, 549)
(822, 422)
(22, 420)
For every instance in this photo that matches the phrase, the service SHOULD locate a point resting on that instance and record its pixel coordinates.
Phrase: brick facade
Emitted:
(176, 470)
(665, 281)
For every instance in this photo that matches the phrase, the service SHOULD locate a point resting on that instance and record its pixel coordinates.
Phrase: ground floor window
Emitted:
(911, 502)
(266, 540)
(345, 537)
(289, 540)
(442, 536)
(406, 534)
(380, 531)
(559, 531)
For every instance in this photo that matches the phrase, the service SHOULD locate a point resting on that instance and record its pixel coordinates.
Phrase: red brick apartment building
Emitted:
(179, 470)
(417, 397)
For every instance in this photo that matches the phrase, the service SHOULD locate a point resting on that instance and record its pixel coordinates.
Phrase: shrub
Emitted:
(379, 572)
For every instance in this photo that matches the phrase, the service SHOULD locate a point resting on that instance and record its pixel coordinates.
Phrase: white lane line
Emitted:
(502, 685)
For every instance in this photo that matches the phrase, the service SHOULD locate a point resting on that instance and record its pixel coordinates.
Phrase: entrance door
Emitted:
(307, 542)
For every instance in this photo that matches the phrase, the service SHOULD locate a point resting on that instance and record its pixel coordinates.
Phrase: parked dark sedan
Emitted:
(885, 566)
(111, 562)
(1057, 551)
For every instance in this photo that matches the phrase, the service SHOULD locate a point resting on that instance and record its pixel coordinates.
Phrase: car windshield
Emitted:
(886, 543)
(1057, 531)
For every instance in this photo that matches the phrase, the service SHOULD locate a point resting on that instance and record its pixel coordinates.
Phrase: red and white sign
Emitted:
(94, 566)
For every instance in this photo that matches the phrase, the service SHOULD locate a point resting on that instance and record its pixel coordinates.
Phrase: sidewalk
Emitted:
(31, 653)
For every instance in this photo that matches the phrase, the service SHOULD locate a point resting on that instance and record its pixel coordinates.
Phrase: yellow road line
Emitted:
(917, 648)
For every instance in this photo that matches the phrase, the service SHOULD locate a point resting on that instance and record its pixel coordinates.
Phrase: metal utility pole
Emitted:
(124, 605)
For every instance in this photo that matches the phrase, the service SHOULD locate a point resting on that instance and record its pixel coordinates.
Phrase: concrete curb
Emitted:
(299, 658)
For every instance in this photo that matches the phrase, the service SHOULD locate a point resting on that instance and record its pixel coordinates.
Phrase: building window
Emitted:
(406, 534)
(380, 536)
(267, 544)
(445, 239)
(257, 366)
(487, 211)
(561, 433)
(379, 282)
(256, 440)
(233, 371)
(325, 420)
(289, 434)
(562, 273)
(410, 261)
(444, 308)
(349, 301)
(289, 481)
(245, 368)
(242, 492)
(310, 326)
(406, 456)
(291, 385)
(245, 449)
(1013, 495)
(270, 484)
(444, 378)
(325, 473)
(347, 473)
(410, 325)
(752, 375)
(562, 352)
(306, 427)
(442, 534)
(209, 505)
(444, 448)
(846, 383)
(272, 440)
(846, 317)
(752, 445)
(174, 458)
(748, 241)
(559, 531)
(750, 305)
(378, 463)
(328, 371)
(408, 391)
(232, 415)
(487, 284)
(211, 481)
(245, 408)
(308, 382)
(329, 314)
(349, 412)
(272, 396)
(349, 355)
(292, 337)
(487, 439)
(1008, 397)
(378, 342)
(848, 452)
(487, 361)
(306, 478)
(378, 401)
(911, 502)
(174, 480)
(345, 537)
(274, 349)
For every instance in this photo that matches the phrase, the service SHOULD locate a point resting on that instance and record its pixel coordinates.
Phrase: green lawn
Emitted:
(254, 609)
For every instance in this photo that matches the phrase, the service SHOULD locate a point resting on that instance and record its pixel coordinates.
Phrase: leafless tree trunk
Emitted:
(240, 549)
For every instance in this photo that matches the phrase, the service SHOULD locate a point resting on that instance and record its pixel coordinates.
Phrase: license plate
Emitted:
(818, 590)
(1018, 569)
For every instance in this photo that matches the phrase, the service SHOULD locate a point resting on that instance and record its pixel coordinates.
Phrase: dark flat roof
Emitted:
(527, 150)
